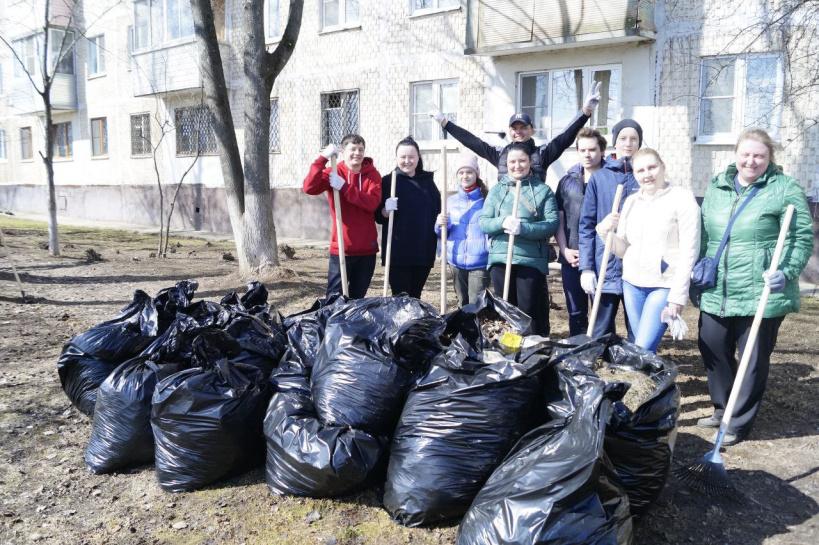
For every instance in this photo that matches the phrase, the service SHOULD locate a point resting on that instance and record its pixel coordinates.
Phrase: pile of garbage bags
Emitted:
(466, 416)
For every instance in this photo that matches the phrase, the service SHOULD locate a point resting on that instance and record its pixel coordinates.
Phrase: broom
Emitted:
(709, 475)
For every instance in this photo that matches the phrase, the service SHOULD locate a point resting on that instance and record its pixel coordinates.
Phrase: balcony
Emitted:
(508, 27)
(25, 100)
(173, 67)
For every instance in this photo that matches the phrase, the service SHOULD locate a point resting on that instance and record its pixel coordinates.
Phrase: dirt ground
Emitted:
(47, 496)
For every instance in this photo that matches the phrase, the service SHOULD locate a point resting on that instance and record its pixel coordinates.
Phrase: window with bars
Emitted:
(553, 98)
(428, 96)
(63, 140)
(141, 135)
(194, 131)
(96, 55)
(339, 116)
(739, 91)
(26, 151)
(275, 146)
(99, 136)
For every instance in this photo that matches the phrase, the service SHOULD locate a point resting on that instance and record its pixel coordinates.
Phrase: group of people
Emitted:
(658, 232)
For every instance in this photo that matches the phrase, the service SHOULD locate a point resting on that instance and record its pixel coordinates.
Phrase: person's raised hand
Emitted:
(329, 151)
(439, 117)
(592, 99)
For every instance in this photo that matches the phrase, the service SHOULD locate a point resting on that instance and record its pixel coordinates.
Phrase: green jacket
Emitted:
(751, 245)
(538, 216)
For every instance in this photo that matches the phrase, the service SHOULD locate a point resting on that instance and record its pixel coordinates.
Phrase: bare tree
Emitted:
(247, 185)
(42, 80)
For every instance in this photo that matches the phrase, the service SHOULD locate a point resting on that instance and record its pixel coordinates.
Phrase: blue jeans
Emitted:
(644, 306)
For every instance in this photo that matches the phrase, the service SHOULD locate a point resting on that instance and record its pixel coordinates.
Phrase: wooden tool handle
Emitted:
(389, 237)
(601, 278)
(510, 250)
(752, 335)
(342, 261)
(443, 230)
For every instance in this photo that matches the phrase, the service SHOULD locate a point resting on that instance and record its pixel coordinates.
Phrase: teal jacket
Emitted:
(753, 239)
(538, 216)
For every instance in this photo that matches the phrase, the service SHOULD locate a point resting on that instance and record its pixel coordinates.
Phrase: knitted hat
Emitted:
(625, 123)
(468, 161)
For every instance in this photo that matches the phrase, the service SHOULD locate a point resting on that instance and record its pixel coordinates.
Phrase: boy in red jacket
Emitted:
(359, 187)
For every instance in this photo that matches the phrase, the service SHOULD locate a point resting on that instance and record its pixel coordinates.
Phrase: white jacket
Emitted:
(658, 237)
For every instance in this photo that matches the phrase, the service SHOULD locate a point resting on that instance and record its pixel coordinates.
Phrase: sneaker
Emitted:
(709, 422)
(728, 439)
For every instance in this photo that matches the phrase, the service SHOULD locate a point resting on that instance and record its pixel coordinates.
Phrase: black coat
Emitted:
(413, 236)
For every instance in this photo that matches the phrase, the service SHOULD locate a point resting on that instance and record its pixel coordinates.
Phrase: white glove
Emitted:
(588, 281)
(592, 99)
(511, 226)
(329, 151)
(438, 116)
(391, 204)
(336, 181)
(676, 325)
(775, 280)
(443, 220)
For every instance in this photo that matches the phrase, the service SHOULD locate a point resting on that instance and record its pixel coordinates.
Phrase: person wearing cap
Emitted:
(359, 189)
(413, 229)
(521, 131)
(597, 203)
(467, 251)
(591, 147)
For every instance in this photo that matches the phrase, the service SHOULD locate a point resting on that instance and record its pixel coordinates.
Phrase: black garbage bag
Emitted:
(88, 358)
(207, 420)
(254, 302)
(458, 423)
(556, 486)
(640, 444)
(305, 457)
(260, 345)
(467, 320)
(373, 350)
(169, 301)
(121, 434)
(305, 330)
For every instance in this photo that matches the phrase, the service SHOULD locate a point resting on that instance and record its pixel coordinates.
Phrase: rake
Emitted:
(709, 475)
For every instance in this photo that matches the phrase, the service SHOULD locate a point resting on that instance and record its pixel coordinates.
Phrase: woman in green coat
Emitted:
(727, 309)
(535, 223)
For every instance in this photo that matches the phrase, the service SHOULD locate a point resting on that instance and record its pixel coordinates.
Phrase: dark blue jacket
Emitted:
(597, 204)
(569, 196)
(541, 156)
(414, 241)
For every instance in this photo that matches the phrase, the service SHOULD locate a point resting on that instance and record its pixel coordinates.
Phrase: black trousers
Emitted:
(607, 314)
(719, 339)
(528, 291)
(360, 270)
(408, 279)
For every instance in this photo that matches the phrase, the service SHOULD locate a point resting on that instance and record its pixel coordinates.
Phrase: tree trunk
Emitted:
(48, 159)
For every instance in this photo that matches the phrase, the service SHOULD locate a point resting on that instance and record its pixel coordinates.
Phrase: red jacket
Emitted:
(360, 197)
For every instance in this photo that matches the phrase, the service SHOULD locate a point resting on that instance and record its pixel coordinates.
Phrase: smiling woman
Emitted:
(727, 309)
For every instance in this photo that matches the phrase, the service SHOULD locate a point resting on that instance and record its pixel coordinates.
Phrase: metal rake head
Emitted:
(707, 477)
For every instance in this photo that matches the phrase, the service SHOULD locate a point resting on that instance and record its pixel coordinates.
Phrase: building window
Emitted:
(61, 50)
(339, 116)
(161, 21)
(272, 25)
(99, 136)
(274, 126)
(3, 155)
(339, 13)
(194, 131)
(63, 140)
(738, 92)
(422, 6)
(26, 151)
(428, 96)
(141, 135)
(553, 98)
(96, 55)
(26, 49)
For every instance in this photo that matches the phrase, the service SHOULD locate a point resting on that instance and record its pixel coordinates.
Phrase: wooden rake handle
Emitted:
(342, 260)
(601, 278)
(510, 250)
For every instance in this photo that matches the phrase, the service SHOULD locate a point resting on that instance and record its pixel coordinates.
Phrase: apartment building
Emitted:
(129, 94)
